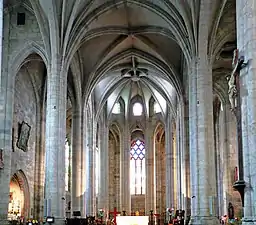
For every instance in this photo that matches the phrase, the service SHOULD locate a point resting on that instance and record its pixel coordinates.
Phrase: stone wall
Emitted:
(226, 161)
(114, 173)
(160, 177)
(233, 195)
(20, 34)
(138, 204)
(24, 111)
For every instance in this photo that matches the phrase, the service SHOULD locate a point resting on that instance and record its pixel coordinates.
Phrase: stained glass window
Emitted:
(67, 166)
(137, 109)
(137, 168)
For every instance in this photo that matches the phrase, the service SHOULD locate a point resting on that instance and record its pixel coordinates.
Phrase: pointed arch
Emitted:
(17, 59)
(20, 178)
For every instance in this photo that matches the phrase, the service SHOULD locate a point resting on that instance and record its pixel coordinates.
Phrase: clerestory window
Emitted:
(137, 109)
(157, 108)
(116, 108)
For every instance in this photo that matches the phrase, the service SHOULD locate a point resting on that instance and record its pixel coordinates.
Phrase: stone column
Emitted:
(103, 198)
(6, 117)
(219, 177)
(192, 122)
(90, 170)
(93, 174)
(169, 162)
(55, 143)
(117, 174)
(246, 41)
(158, 180)
(40, 160)
(183, 157)
(77, 156)
(106, 138)
(202, 160)
(225, 182)
(125, 196)
(150, 172)
(178, 180)
(185, 140)
(1, 35)
(84, 143)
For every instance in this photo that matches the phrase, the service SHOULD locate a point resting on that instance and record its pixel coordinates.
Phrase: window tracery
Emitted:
(67, 166)
(137, 168)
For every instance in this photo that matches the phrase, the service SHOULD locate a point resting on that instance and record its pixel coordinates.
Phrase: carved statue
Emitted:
(231, 211)
(232, 89)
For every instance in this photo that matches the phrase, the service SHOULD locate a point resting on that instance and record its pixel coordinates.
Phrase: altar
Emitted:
(132, 220)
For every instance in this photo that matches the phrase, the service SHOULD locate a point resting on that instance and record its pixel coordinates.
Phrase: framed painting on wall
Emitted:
(23, 137)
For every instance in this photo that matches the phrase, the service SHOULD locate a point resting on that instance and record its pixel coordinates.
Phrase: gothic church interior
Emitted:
(127, 104)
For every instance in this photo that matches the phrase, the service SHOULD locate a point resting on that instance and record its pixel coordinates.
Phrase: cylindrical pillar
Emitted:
(89, 159)
(125, 196)
(76, 192)
(202, 154)
(150, 172)
(103, 200)
(246, 41)
(169, 163)
(55, 143)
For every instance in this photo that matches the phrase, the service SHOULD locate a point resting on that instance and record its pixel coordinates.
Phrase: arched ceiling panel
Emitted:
(113, 97)
(128, 15)
(105, 84)
(93, 50)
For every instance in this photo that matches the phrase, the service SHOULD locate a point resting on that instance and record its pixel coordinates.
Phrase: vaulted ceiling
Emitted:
(121, 47)
(130, 49)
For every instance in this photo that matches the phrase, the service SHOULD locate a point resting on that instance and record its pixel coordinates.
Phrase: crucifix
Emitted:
(114, 213)
(235, 102)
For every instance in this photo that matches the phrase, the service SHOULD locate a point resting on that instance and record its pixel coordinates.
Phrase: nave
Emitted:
(133, 106)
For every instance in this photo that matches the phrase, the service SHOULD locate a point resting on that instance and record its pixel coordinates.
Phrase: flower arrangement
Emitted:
(235, 221)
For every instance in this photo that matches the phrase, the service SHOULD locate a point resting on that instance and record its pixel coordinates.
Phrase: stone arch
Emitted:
(115, 130)
(20, 178)
(18, 58)
(24, 59)
(159, 128)
(137, 134)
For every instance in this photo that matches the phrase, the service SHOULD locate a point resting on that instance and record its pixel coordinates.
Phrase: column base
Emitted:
(204, 220)
(4, 222)
(248, 221)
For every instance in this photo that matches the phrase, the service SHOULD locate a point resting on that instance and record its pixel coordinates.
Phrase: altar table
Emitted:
(132, 220)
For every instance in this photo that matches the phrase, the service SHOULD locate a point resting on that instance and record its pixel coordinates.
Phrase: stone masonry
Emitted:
(171, 54)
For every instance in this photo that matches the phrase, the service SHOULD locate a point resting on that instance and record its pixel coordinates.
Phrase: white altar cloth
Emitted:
(132, 220)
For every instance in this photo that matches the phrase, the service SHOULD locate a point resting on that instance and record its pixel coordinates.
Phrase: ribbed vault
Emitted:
(98, 38)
